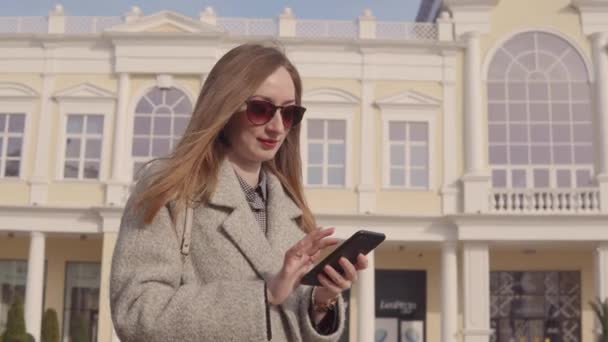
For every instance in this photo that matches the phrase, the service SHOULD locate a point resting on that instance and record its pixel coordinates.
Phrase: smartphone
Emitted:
(362, 242)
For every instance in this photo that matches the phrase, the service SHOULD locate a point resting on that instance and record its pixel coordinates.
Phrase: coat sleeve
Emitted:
(150, 303)
(309, 332)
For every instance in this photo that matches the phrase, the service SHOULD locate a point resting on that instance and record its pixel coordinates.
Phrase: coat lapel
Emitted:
(265, 253)
(281, 212)
(240, 225)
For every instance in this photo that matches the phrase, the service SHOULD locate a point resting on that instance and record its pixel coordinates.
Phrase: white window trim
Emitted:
(402, 114)
(329, 112)
(17, 98)
(103, 106)
(160, 82)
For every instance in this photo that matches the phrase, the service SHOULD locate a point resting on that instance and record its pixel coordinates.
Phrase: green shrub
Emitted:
(50, 327)
(15, 324)
(79, 331)
(601, 312)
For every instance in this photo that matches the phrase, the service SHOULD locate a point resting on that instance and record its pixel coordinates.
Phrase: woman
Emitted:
(253, 236)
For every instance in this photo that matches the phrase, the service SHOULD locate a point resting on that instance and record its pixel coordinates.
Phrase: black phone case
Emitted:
(363, 241)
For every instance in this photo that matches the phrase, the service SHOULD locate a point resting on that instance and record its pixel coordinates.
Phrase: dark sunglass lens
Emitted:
(292, 115)
(259, 112)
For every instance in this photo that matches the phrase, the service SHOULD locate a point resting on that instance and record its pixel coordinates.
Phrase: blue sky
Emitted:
(389, 10)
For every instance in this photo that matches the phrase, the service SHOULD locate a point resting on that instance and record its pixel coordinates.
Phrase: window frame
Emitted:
(328, 112)
(529, 168)
(162, 81)
(409, 115)
(105, 108)
(19, 99)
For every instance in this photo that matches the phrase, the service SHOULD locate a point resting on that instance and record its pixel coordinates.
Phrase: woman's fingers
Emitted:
(350, 272)
(328, 284)
(336, 278)
(314, 241)
(361, 262)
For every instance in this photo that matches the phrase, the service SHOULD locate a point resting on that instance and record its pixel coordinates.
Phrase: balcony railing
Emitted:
(326, 28)
(23, 24)
(248, 26)
(545, 201)
(406, 31)
(289, 26)
(75, 25)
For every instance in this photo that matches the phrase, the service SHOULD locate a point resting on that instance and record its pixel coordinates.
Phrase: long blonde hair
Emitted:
(190, 172)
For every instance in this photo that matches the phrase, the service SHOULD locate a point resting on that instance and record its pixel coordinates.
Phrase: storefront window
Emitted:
(81, 302)
(13, 276)
(536, 306)
(400, 306)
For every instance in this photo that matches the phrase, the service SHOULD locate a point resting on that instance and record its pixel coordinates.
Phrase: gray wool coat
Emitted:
(217, 293)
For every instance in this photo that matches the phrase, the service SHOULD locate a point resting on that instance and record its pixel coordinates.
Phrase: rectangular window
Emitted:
(81, 301)
(84, 135)
(12, 127)
(326, 144)
(408, 154)
(13, 276)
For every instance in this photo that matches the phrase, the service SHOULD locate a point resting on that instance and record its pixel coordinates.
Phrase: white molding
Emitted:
(84, 92)
(49, 219)
(329, 96)
(182, 22)
(497, 44)
(514, 227)
(409, 99)
(16, 91)
(164, 81)
(471, 15)
(409, 106)
(593, 15)
(328, 104)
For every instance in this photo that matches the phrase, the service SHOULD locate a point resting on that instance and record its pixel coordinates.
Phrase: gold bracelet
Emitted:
(323, 307)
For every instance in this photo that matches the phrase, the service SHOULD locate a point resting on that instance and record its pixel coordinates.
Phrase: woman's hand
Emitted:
(297, 262)
(334, 283)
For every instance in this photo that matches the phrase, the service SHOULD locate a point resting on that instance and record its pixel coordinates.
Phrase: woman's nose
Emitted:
(276, 123)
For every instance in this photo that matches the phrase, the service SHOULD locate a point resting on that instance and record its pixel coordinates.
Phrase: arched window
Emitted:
(161, 117)
(539, 114)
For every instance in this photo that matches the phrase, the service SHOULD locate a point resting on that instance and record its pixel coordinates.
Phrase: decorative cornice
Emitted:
(84, 91)
(593, 15)
(408, 99)
(329, 96)
(16, 91)
(470, 15)
(181, 23)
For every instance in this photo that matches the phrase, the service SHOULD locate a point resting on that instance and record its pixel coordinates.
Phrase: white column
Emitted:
(601, 270)
(476, 178)
(367, 165)
(449, 292)
(600, 62)
(116, 188)
(40, 178)
(476, 273)
(473, 138)
(449, 189)
(35, 285)
(601, 277)
(366, 306)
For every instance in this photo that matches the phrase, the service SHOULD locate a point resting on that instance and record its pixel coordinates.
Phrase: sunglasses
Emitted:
(260, 112)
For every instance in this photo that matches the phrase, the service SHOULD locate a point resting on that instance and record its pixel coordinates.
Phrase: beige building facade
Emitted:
(477, 142)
